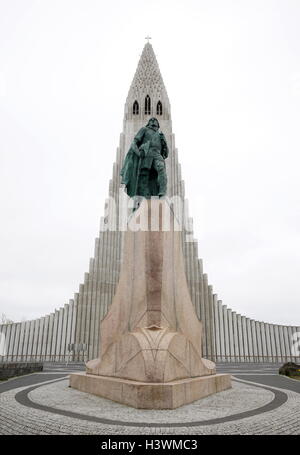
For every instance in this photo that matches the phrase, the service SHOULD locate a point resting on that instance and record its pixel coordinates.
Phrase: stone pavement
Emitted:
(44, 404)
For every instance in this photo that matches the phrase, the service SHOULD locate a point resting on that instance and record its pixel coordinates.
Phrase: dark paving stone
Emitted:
(27, 380)
(273, 381)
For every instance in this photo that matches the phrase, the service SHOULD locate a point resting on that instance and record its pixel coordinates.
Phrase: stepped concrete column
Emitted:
(240, 337)
(221, 333)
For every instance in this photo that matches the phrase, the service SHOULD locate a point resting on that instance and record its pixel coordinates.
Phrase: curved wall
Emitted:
(231, 337)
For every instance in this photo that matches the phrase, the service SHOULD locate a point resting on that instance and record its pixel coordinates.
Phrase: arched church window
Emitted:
(147, 105)
(159, 108)
(135, 109)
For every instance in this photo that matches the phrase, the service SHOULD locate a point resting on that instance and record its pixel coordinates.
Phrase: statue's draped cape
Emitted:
(129, 172)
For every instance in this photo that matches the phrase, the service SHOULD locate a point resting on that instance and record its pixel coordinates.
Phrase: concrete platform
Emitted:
(147, 395)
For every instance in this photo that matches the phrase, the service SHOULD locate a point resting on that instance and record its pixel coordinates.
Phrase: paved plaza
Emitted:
(260, 402)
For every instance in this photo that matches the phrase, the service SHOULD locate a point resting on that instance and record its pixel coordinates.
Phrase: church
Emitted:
(73, 331)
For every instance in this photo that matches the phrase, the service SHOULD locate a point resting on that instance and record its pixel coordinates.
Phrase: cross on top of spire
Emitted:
(148, 38)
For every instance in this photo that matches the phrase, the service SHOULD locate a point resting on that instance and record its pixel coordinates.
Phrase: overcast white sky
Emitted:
(232, 72)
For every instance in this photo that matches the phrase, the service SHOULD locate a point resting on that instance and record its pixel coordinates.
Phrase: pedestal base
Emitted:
(143, 395)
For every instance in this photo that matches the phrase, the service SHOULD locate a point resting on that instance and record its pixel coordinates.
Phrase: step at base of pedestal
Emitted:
(143, 395)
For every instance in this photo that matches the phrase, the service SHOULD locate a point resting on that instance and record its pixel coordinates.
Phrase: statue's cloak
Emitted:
(130, 175)
(129, 172)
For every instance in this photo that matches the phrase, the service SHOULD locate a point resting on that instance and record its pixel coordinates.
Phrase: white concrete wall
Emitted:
(231, 336)
(45, 338)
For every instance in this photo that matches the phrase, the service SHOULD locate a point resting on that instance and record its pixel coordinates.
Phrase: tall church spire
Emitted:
(147, 96)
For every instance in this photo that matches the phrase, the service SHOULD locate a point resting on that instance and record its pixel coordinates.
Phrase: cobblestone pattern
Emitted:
(240, 398)
(18, 419)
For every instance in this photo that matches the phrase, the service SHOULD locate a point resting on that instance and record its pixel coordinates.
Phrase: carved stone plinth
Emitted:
(149, 395)
(151, 336)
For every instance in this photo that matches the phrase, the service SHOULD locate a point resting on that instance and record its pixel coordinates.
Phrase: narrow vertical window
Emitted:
(159, 108)
(147, 105)
(135, 109)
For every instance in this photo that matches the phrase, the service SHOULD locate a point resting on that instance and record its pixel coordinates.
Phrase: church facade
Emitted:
(72, 332)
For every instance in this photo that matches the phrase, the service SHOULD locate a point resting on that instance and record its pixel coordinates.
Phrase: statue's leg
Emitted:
(160, 167)
(143, 186)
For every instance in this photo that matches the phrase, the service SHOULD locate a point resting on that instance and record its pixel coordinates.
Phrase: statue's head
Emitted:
(153, 124)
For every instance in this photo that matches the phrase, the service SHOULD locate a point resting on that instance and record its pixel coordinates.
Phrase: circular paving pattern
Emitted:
(243, 400)
(51, 407)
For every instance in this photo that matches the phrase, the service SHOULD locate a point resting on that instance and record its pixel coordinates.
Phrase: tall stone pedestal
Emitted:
(151, 336)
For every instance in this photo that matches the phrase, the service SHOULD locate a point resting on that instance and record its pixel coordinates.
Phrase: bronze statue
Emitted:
(144, 170)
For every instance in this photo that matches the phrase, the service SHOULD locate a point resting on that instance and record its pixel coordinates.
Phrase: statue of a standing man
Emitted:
(144, 170)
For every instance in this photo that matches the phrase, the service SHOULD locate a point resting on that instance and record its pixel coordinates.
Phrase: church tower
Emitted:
(147, 97)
